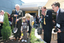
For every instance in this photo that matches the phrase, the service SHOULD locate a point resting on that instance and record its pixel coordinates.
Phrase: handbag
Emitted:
(39, 31)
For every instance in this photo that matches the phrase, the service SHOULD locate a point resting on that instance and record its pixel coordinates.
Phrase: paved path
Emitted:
(38, 36)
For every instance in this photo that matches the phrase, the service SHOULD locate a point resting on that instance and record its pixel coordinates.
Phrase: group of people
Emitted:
(47, 24)
(24, 23)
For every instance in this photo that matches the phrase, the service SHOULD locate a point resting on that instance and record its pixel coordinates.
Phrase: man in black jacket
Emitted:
(59, 20)
(47, 24)
(17, 13)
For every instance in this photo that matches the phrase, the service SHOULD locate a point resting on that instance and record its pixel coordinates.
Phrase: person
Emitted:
(59, 21)
(41, 22)
(27, 15)
(47, 24)
(1, 20)
(24, 30)
(17, 13)
(37, 21)
(31, 18)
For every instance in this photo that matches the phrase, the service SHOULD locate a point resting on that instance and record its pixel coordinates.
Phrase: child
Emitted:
(24, 30)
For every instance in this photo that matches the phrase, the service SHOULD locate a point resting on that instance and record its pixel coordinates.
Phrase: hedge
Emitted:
(33, 37)
(6, 30)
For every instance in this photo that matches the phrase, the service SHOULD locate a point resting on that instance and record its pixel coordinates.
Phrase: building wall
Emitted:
(9, 5)
(32, 12)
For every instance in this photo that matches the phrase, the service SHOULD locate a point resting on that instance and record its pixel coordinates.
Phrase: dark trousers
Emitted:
(60, 37)
(29, 30)
(0, 28)
(47, 36)
(18, 34)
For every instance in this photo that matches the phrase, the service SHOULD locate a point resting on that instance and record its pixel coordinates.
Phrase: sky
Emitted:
(30, 1)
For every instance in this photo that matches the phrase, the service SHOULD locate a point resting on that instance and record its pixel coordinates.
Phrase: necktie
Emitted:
(44, 21)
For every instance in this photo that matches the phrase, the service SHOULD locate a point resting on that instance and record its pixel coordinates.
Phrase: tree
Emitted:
(6, 30)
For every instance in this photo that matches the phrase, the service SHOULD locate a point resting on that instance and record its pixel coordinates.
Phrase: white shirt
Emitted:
(1, 18)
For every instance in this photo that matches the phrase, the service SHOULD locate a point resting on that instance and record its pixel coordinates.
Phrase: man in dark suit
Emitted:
(59, 20)
(47, 24)
(17, 13)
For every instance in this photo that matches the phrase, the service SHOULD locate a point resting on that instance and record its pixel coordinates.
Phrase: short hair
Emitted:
(56, 4)
(17, 5)
(44, 7)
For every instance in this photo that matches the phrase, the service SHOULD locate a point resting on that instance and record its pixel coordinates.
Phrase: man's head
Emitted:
(55, 6)
(2, 12)
(43, 9)
(17, 7)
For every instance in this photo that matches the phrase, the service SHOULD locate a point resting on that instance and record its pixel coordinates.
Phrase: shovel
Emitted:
(15, 29)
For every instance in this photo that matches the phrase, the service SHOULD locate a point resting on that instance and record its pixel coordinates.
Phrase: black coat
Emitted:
(48, 20)
(20, 14)
(48, 27)
(60, 20)
(18, 34)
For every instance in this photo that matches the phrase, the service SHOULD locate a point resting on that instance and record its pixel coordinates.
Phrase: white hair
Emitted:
(2, 11)
(17, 5)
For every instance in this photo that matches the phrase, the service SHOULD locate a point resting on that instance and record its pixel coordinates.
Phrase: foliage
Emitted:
(33, 37)
(6, 30)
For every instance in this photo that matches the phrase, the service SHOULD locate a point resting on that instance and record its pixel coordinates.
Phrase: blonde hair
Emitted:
(27, 15)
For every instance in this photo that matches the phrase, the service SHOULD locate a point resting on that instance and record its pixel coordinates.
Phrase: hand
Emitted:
(21, 31)
(17, 19)
(59, 31)
(53, 21)
(43, 13)
(15, 15)
(39, 21)
(27, 31)
(1, 22)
